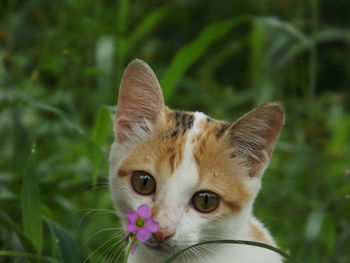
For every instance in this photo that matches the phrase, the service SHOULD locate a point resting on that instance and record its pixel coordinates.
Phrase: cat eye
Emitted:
(143, 183)
(205, 201)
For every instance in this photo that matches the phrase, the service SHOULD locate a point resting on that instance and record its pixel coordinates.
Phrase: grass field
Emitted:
(60, 67)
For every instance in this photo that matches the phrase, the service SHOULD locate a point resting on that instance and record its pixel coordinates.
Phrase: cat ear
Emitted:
(254, 135)
(140, 102)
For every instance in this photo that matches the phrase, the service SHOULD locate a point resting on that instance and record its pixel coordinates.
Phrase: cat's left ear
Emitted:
(253, 136)
(140, 102)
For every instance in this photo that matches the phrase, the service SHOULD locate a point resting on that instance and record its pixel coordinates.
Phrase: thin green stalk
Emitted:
(133, 241)
(121, 41)
(225, 241)
(313, 50)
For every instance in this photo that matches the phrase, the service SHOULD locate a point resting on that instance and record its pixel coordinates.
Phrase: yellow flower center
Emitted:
(140, 223)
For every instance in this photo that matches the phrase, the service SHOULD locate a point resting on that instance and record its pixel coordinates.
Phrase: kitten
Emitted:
(198, 175)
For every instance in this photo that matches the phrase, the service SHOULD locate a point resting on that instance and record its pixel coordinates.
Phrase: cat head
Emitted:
(198, 175)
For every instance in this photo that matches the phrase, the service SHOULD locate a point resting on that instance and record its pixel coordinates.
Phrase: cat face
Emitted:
(199, 176)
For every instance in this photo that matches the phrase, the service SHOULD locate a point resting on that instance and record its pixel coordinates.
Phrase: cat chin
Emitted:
(156, 249)
(160, 248)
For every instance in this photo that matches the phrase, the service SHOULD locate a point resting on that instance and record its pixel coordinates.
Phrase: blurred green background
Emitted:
(60, 67)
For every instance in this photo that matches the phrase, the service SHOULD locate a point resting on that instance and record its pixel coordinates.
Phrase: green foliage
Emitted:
(99, 134)
(68, 250)
(30, 203)
(60, 66)
(186, 56)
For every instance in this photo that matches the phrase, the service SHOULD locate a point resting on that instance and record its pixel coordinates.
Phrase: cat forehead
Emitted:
(187, 151)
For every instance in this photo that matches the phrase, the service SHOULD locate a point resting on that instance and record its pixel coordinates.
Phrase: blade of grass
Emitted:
(227, 241)
(313, 51)
(125, 44)
(285, 26)
(123, 12)
(28, 256)
(324, 36)
(28, 99)
(68, 249)
(340, 136)
(259, 75)
(146, 26)
(122, 27)
(30, 204)
(27, 244)
(312, 232)
(99, 135)
(104, 58)
(21, 146)
(191, 52)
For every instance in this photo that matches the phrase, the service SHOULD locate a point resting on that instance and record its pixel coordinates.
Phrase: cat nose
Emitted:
(162, 235)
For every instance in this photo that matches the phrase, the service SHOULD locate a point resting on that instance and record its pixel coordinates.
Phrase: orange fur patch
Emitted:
(160, 154)
(154, 211)
(217, 171)
(259, 234)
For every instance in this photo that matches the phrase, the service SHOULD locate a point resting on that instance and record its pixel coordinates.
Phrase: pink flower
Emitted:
(134, 246)
(141, 223)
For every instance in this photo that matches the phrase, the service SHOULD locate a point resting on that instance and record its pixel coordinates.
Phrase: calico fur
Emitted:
(187, 152)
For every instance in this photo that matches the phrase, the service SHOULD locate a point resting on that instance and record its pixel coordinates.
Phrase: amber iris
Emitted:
(143, 183)
(205, 201)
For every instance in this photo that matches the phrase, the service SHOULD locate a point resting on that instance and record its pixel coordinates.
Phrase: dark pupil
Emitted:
(144, 179)
(143, 183)
(206, 199)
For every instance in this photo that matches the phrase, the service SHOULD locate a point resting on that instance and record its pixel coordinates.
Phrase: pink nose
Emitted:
(160, 236)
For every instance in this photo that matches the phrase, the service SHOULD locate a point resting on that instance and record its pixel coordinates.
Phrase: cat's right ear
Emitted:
(140, 102)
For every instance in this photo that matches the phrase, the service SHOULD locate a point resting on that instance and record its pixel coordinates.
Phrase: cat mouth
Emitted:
(158, 247)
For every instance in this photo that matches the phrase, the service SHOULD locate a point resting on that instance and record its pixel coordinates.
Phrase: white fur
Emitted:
(177, 215)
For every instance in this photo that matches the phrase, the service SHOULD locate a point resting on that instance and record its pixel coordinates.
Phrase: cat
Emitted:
(198, 175)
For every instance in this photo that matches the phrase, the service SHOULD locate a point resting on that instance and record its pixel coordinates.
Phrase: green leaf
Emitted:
(28, 256)
(102, 126)
(340, 136)
(21, 145)
(28, 99)
(27, 244)
(30, 204)
(122, 16)
(190, 53)
(99, 135)
(68, 249)
(227, 241)
(146, 26)
(324, 36)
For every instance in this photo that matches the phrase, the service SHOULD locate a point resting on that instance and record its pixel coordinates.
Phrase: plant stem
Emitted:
(133, 240)
(313, 59)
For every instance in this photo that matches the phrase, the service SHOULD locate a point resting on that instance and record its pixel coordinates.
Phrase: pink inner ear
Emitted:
(140, 100)
(255, 134)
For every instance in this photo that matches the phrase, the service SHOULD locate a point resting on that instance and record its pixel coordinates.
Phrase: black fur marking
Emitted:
(209, 119)
(174, 133)
(190, 121)
(177, 116)
(183, 122)
(223, 128)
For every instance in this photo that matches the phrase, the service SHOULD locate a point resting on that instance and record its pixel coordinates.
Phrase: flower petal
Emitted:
(134, 246)
(143, 235)
(125, 238)
(144, 211)
(132, 216)
(151, 225)
(131, 227)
